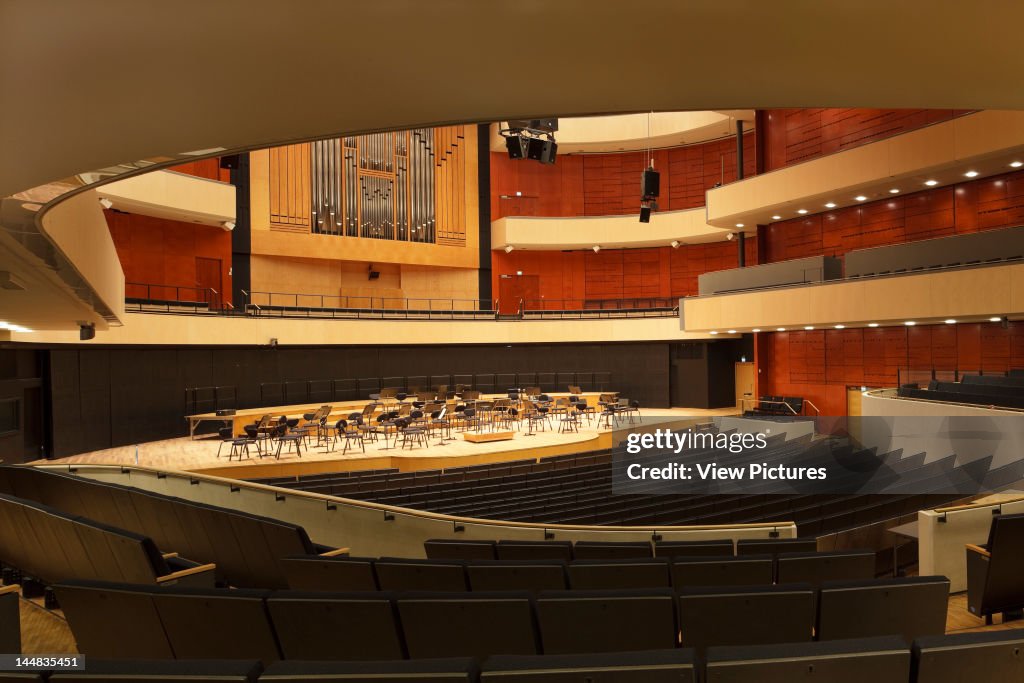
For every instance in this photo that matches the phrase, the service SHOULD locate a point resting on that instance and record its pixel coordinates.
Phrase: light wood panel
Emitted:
(289, 186)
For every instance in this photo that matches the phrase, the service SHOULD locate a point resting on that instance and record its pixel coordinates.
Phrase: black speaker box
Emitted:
(650, 183)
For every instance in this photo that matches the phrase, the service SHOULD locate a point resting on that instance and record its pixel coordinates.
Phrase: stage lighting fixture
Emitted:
(86, 331)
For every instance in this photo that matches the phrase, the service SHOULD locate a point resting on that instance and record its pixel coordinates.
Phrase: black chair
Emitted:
(448, 549)
(336, 626)
(535, 550)
(467, 624)
(774, 546)
(879, 660)
(612, 574)
(958, 657)
(909, 607)
(611, 550)
(751, 570)
(674, 549)
(753, 615)
(606, 621)
(399, 574)
(316, 573)
(994, 571)
(452, 670)
(149, 671)
(10, 620)
(654, 666)
(516, 575)
(816, 568)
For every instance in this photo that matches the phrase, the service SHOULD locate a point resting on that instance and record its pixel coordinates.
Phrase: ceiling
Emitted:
(90, 85)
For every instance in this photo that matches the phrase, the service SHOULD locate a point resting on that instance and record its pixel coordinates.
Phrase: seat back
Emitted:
(751, 570)
(880, 660)
(910, 607)
(446, 549)
(987, 656)
(611, 550)
(517, 575)
(1003, 588)
(336, 626)
(816, 568)
(606, 621)
(10, 620)
(774, 546)
(399, 574)
(656, 666)
(145, 671)
(534, 550)
(451, 670)
(113, 620)
(649, 572)
(315, 573)
(467, 624)
(718, 616)
(694, 548)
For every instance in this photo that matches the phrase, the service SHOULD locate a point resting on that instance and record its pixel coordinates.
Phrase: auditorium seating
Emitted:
(984, 390)
(606, 621)
(467, 624)
(10, 620)
(990, 656)
(750, 570)
(883, 659)
(995, 570)
(52, 546)
(446, 670)
(910, 607)
(146, 671)
(651, 666)
(245, 548)
(530, 575)
(737, 616)
(816, 568)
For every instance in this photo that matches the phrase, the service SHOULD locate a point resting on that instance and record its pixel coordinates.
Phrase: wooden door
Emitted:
(744, 384)
(515, 289)
(208, 277)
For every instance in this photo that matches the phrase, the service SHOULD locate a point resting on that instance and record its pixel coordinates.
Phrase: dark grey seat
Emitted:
(535, 550)
(172, 671)
(317, 573)
(10, 620)
(606, 621)
(113, 621)
(752, 615)
(994, 570)
(650, 572)
(611, 550)
(451, 670)
(399, 574)
(815, 568)
(879, 660)
(910, 607)
(653, 666)
(750, 570)
(987, 656)
(467, 624)
(336, 626)
(774, 546)
(446, 549)
(503, 575)
(675, 549)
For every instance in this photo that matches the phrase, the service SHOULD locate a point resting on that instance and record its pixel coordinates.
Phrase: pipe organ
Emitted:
(407, 186)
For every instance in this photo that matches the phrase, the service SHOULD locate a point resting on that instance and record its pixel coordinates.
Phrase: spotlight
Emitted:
(508, 249)
(971, 174)
(596, 248)
(86, 331)
(860, 198)
(106, 203)
(931, 183)
(776, 218)
(872, 324)
(730, 236)
(675, 244)
(894, 190)
(228, 226)
(1016, 164)
(516, 146)
(739, 225)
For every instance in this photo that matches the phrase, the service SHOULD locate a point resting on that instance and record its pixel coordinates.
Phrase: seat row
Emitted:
(119, 620)
(396, 574)
(457, 549)
(245, 548)
(992, 656)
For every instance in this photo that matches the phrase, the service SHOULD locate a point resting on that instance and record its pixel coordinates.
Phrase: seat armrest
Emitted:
(170, 556)
(13, 588)
(198, 575)
(337, 552)
(971, 548)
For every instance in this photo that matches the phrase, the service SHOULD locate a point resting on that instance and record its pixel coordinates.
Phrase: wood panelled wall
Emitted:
(609, 184)
(157, 251)
(290, 192)
(821, 364)
(994, 202)
(620, 273)
(795, 135)
(204, 168)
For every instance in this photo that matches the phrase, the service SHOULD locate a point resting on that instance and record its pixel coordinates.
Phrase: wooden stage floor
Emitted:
(201, 455)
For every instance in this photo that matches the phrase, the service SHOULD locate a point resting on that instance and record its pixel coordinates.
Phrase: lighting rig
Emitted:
(531, 139)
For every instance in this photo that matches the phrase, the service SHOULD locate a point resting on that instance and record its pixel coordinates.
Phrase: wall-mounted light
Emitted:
(675, 244)
(106, 203)
(508, 249)
(228, 226)
(596, 248)
(730, 236)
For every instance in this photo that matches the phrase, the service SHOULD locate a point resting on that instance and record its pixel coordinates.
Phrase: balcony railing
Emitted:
(150, 298)
(649, 307)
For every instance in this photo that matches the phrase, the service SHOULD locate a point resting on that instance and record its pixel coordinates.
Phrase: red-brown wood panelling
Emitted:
(204, 168)
(820, 364)
(609, 184)
(620, 273)
(994, 202)
(157, 251)
(795, 135)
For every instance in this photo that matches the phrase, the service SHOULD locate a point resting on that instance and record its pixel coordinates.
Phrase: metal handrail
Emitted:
(171, 297)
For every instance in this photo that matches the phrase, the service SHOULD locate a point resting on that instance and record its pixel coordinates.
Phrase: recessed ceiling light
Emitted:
(1016, 164)
(801, 210)
(840, 327)
(930, 183)
(950, 321)
(830, 205)
(776, 218)
(894, 190)
(756, 329)
(910, 323)
(809, 327)
(732, 331)
(872, 324)
(860, 198)
(971, 174)
(739, 225)
(780, 329)
(995, 320)
(713, 332)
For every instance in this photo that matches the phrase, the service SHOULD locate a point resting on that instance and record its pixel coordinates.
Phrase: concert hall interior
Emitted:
(509, 341)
